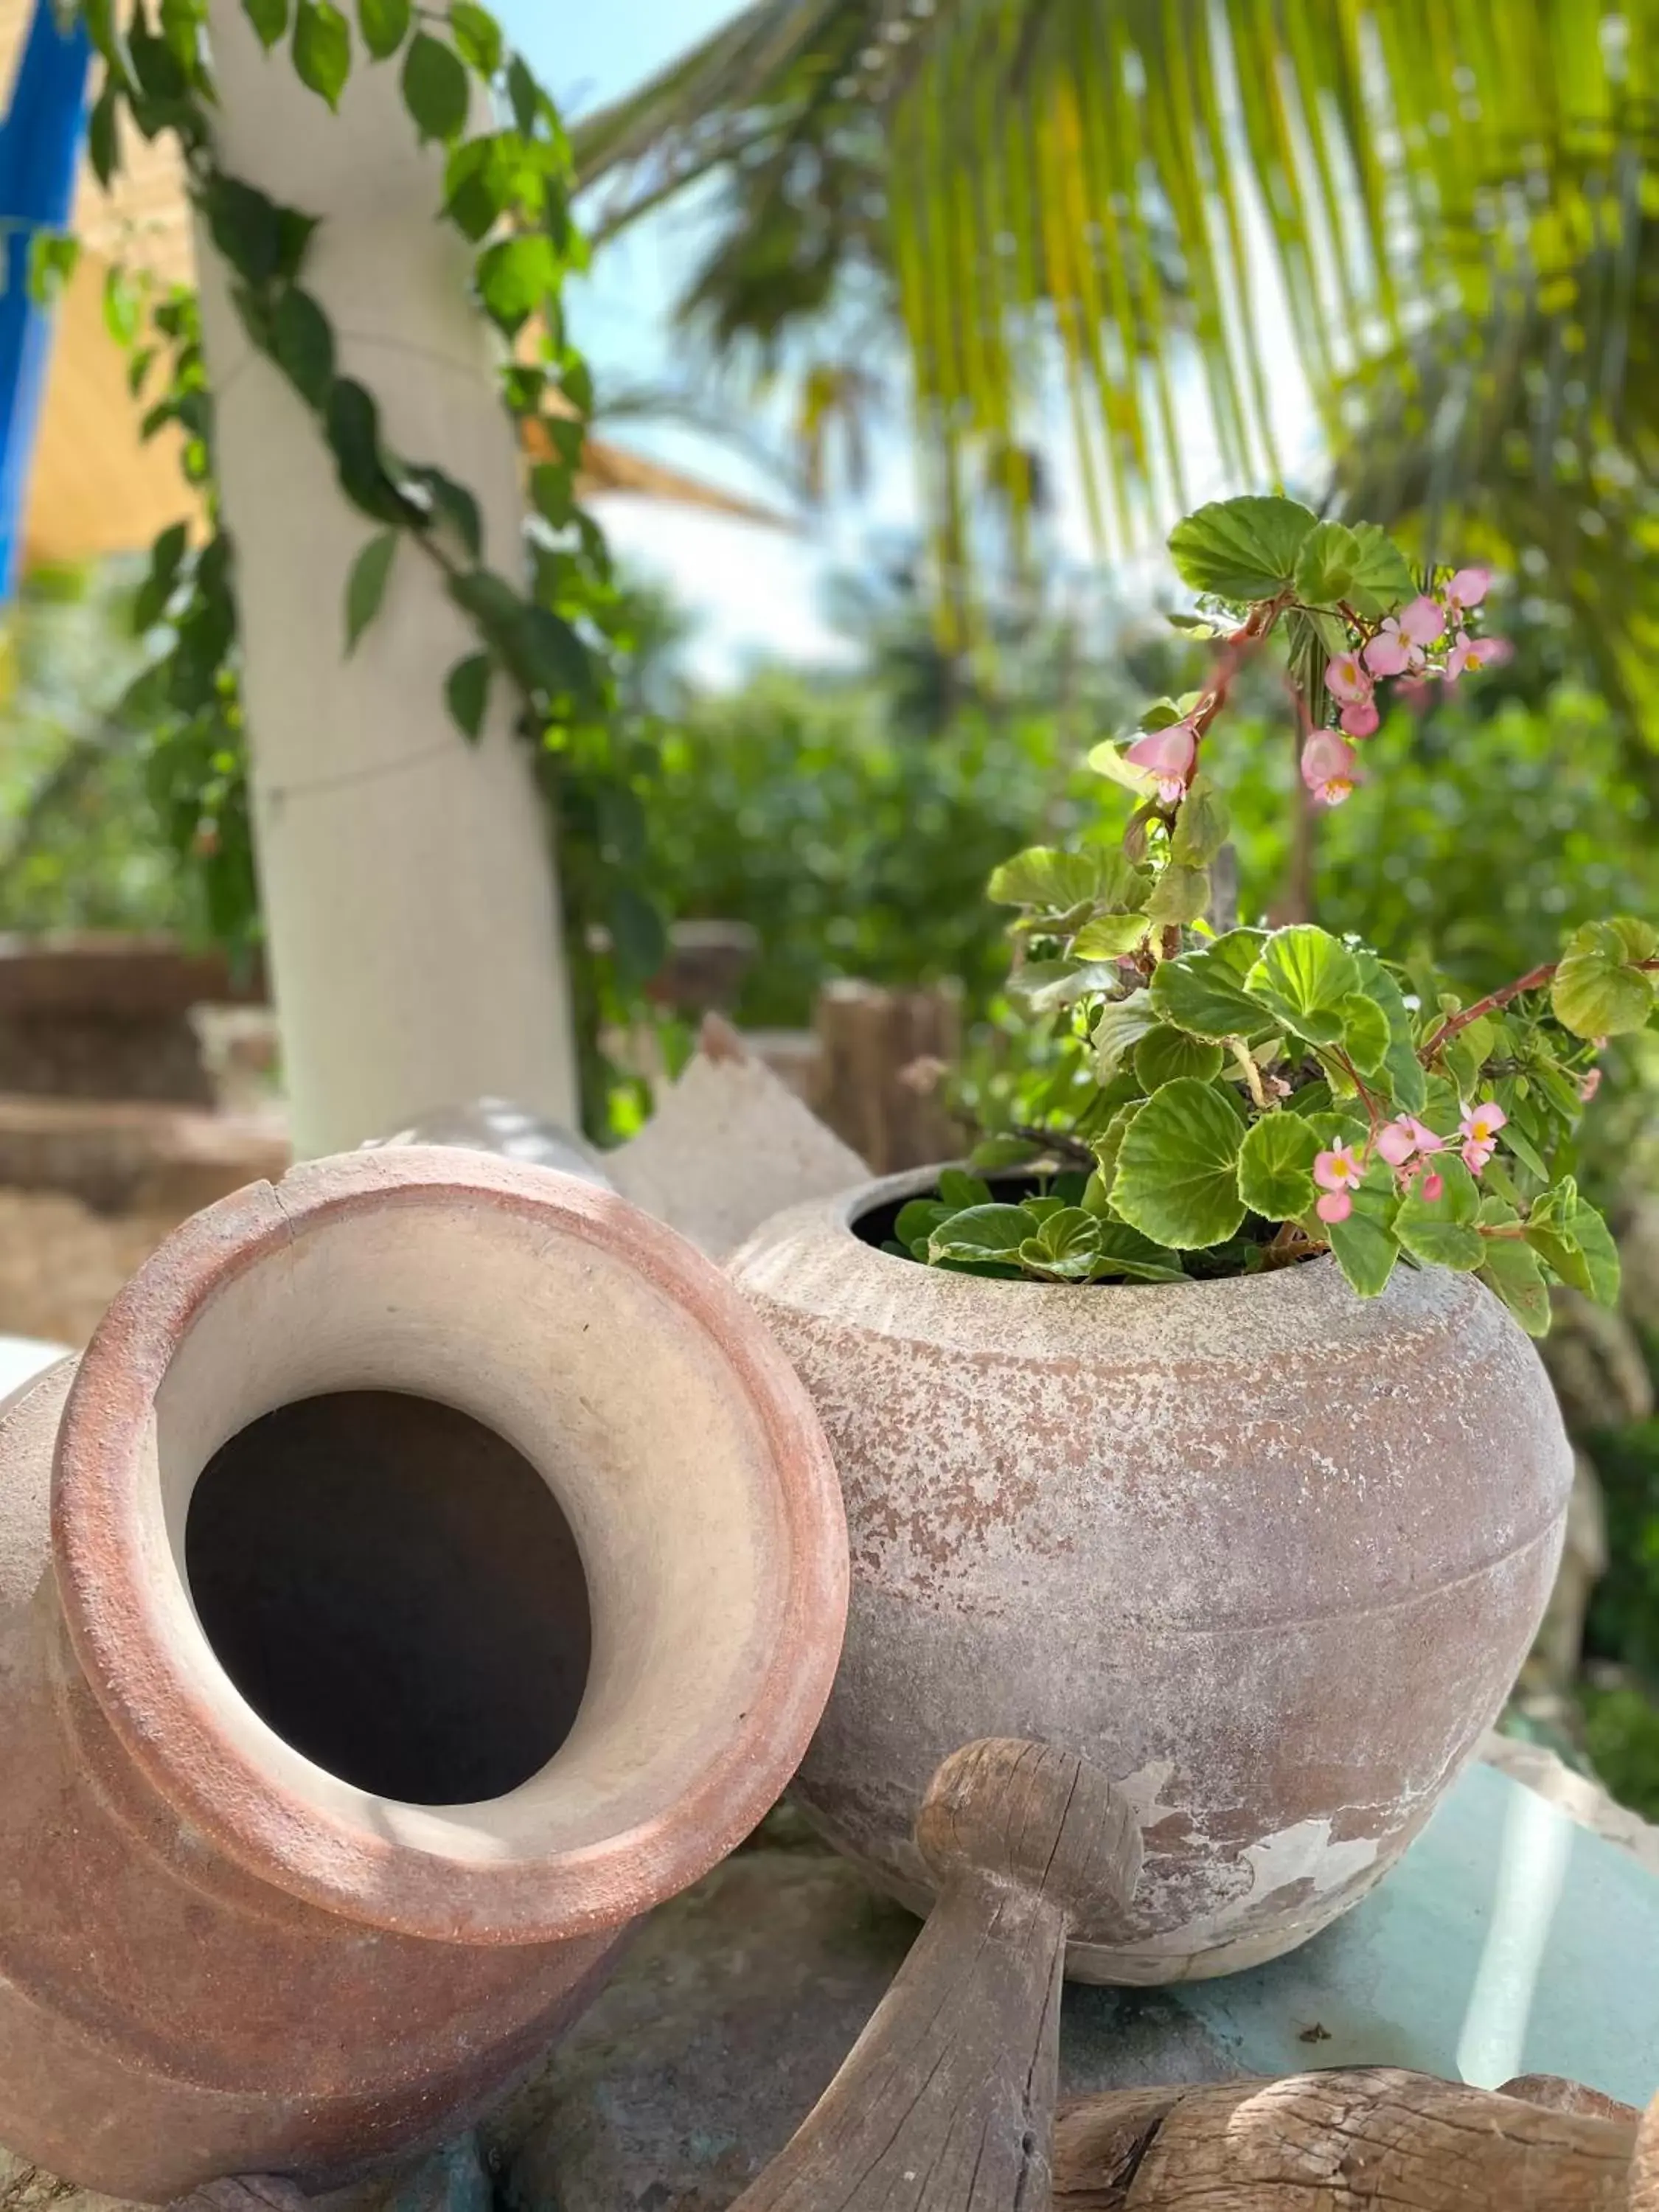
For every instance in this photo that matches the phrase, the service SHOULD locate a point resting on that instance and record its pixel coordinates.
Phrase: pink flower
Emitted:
(1337, 1173)
(1590, 1085)
(1467, 589)
(1169, 755)
(1347, 681)
(1423, 620)
(1330, 767)
(1478, 1129)
(1403, 1137)
(1361, 720)
(1474, 653)
(1433, 1186)
(1391, 652)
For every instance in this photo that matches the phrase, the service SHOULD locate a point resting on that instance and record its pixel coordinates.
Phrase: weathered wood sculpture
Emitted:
(945, 2104)
(947, 2101)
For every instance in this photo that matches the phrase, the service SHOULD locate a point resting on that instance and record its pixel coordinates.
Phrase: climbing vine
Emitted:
(548, 636)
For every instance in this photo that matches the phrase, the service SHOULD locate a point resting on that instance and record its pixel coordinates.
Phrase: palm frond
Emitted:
(1139, 196)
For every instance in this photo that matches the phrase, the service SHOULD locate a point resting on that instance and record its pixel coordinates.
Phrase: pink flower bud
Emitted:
(1169, 755)
(1330, 767)
(1433, 1187)
(1360, 721)
(1335, 1205)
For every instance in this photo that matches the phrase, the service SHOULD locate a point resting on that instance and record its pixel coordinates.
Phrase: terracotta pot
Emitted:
(443, 1567)
(1269, 1555)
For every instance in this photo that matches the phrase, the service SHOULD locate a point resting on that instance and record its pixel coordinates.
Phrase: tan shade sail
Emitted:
(96, 487)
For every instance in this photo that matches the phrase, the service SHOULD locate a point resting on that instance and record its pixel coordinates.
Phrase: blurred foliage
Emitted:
(80, 845)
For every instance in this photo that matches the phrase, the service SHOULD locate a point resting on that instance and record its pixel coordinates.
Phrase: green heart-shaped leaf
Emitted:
(1177, 1167)
(1303, 978)
(1240, 549)
(1599, 990)
(1364, 1245)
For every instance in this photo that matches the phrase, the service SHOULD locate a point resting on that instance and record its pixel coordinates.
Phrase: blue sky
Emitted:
(753, 589)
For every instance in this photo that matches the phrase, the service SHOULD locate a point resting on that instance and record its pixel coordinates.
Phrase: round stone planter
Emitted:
(441, 1566)
(1268, 1554)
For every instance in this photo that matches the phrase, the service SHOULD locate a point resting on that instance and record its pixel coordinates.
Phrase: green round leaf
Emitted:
(1442, 1232)
(1365, 1032)
(322, 49)
(1383, 580)
(1240, 549)
(434, 84)
(1180, 895)
(1598, 990)
(1275, 1167)
(1065, 1246)
(1203, 992)
(983, 1232)
(384, 24)
(1177, 1170)
(1326, 565)
(1302, 979)
(1108, 936)
(1165, 1054)
(1122, 1022)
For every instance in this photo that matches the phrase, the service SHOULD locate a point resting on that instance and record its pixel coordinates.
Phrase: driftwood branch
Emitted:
(945, 2103)
(1371, 2140)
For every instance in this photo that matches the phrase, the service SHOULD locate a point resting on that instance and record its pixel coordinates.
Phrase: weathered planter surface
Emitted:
(1269, 1555)
(443, 1567)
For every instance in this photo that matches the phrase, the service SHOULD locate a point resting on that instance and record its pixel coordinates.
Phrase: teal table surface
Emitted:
(1510, 1940)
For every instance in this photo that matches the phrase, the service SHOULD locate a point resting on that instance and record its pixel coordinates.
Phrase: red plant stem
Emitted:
(1354, 1076)
(1534, 980)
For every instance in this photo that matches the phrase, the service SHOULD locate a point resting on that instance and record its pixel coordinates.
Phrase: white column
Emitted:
(409, 898)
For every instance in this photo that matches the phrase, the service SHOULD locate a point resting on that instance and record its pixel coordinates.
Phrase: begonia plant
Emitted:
(1264, 1096)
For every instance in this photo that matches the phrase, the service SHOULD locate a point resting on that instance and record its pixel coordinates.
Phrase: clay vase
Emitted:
(1268, 1554)
(442, 1567)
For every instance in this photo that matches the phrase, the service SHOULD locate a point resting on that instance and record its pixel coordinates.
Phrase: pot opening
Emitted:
(395, 1591)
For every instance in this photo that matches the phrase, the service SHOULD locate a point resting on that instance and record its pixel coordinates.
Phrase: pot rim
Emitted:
(141, 1651)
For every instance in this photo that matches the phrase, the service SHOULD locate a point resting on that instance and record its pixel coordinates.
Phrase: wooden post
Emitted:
(945, 2103)
(883, 1052)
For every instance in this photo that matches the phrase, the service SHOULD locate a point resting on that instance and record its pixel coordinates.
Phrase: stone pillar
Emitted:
(409, 897)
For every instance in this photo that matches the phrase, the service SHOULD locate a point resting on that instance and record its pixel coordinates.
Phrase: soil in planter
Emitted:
(876, 1227)
(396, 1591)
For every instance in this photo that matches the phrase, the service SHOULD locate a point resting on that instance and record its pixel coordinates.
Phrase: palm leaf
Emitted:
(1135, 192)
